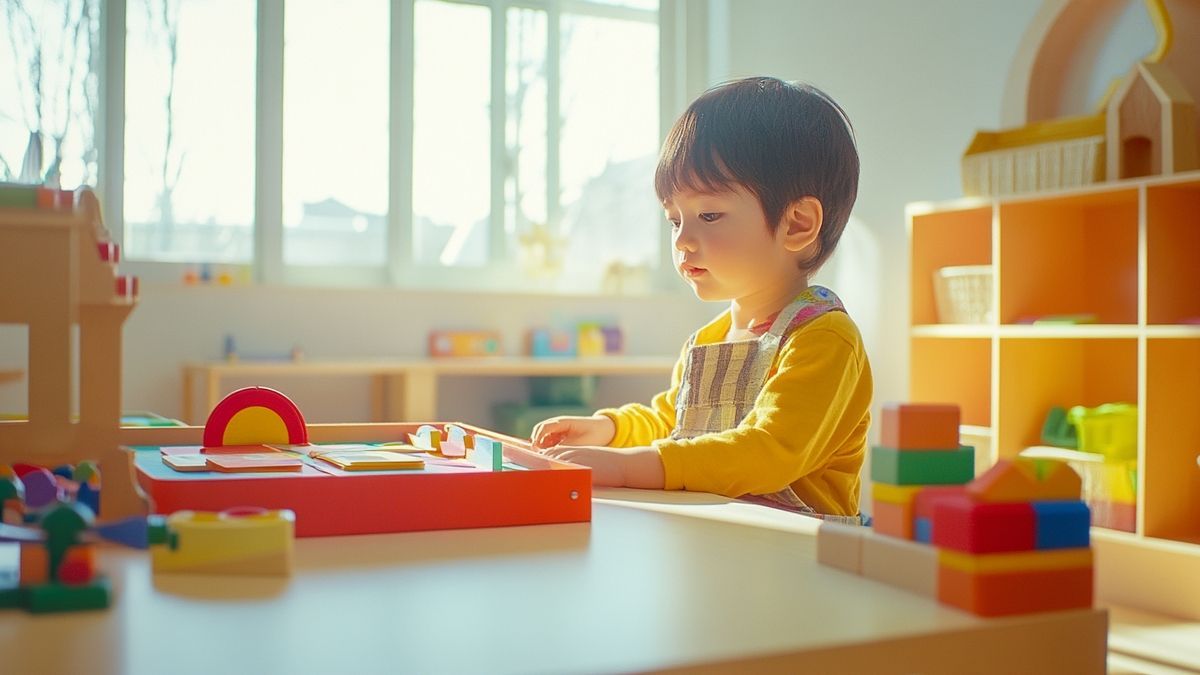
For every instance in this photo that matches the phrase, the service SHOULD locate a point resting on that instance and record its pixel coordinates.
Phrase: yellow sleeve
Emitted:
(811, 418)
(640, 424)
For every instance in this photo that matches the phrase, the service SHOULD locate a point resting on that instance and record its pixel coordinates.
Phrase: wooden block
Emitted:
(1023, 481)
(35, 564)
(894, 520)
(1061, 524)
(920, 426)
(840, 546)
(900, 563)
(1019, 561)
(1007, 593)
(895, 494)
(922, 467)
(962, 524)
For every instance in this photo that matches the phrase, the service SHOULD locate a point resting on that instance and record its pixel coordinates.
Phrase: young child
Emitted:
(771, 400)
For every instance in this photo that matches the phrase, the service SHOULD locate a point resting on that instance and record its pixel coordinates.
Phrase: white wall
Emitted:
(917, 79)
(174, 323)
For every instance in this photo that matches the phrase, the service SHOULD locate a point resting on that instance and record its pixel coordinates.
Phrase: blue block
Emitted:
(924, 530)
(88, 496)
(133, 531)
(1061, 524)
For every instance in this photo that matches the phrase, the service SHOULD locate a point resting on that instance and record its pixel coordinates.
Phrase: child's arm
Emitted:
(637, 424)
(639, 467)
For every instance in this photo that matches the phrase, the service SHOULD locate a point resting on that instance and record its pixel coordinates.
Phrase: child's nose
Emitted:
(684, 241)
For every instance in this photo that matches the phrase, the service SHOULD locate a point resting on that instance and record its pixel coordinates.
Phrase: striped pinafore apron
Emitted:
(722, 381)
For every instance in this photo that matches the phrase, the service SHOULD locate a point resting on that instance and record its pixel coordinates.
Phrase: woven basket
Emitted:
(964, 294)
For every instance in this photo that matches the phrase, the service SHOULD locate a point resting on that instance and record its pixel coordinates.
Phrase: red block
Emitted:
(920, 426)
(962, 524)
(930, 494)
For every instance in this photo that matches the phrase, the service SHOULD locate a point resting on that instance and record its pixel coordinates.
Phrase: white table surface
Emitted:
(656, 581)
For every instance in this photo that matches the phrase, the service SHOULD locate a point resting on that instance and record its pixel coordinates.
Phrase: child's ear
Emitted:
(801, 223)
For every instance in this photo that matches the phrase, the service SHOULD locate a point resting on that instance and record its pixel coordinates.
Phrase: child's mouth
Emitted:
(692, 272)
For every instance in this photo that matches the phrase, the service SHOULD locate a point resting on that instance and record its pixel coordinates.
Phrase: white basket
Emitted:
(964, 294)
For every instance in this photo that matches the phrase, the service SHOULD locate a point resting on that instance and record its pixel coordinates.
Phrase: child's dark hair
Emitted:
(780, 140)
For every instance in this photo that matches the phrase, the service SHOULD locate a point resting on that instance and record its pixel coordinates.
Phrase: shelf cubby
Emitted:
(960, 236)
(1173, 253)
(1073, 254)
(1170, 473)
(1037, 374)
(1127, 252)
(962, 375)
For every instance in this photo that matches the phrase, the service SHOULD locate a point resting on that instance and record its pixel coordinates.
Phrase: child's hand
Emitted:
(616, 467)
(594, 430)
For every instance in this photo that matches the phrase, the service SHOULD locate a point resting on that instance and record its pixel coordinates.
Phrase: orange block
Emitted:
(35, 564)
(892, 519)
(1019, 481)
(920, 426)
(1017, 592)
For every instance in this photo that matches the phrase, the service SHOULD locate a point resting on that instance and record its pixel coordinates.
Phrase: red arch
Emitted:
(235, 402)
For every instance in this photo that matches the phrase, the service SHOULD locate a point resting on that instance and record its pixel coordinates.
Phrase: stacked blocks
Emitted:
(1014, 540)
(1017, 541)
(919, 448)
(1011, 542)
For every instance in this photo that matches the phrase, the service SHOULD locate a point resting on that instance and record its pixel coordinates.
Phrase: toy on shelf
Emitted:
(50, 235)
(234, 541)
(1013, 540)
(585, 339)
(1100, 443)
(230, 353)
(460, 343)
(1144, 125)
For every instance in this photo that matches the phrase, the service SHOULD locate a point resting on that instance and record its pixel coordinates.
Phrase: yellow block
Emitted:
(1058, 559)
(895, 494)
(225, 543)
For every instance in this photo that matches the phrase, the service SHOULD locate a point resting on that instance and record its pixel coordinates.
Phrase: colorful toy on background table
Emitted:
(584, 339)
(1013, 540)
(464, 343)
(52, 529)
(230, 353)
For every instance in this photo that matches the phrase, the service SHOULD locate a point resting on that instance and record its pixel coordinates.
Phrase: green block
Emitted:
(518, 419)
(567, 390)
(12, 597)
(923, 467)
(62, 598)
(20, 196)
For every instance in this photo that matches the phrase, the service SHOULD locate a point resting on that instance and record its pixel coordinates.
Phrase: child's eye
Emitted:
(710, 217)
(674, 223)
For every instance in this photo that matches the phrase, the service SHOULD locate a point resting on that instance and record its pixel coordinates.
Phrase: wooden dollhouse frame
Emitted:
(58, 267)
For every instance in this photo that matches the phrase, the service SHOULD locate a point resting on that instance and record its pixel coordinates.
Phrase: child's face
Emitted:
(723, 247)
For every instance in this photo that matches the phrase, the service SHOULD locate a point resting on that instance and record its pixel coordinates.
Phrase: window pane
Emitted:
(335, 132)
(189, 130)
(47, 132)
(525, 182)
(451, 133)
(609, 108)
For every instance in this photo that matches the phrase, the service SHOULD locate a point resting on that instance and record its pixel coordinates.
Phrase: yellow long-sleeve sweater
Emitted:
(807, 430)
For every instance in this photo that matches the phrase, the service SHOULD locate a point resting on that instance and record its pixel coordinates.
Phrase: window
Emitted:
(48, 96)
(418, 142)
(189, 131)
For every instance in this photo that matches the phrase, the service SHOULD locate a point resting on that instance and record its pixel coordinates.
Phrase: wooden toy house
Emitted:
(1151, 125)
(59, 268)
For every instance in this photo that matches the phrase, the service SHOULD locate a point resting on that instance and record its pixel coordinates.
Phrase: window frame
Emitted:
(676, 63)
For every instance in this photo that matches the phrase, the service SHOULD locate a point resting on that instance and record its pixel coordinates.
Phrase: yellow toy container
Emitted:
(1109, 430)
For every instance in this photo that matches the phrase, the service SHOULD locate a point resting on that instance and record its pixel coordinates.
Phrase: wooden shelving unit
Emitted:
(1127, 252)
